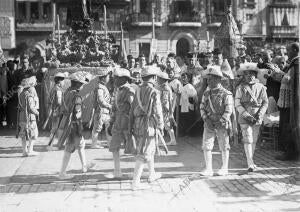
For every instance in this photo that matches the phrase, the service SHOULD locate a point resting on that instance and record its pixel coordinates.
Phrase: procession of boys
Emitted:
(143, 111)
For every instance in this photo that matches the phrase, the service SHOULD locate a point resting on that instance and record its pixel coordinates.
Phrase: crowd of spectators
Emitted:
(186, 81)
(11, 75)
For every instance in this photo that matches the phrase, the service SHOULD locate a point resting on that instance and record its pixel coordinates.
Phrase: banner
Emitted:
(7, 32)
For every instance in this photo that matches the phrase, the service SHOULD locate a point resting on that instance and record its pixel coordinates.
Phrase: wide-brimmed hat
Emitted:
(244, 67)
(28, 81)
(214, 70)
(150, 70)
(60, 74)
(77, 77)
(122, 72)
(102, 72)
(163, 75)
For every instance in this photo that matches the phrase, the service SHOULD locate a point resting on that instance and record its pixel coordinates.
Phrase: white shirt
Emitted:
(187, 92)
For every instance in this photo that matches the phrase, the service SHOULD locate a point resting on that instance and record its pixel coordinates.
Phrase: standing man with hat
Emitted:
(216, 108)
(102, 108)
(56, 100)
(251, 102)
(166, 96)
(28, 112)
(120, 116)
(72, 124)
(146, 123)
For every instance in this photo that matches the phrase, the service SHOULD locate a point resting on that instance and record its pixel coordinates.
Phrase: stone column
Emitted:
(234, 8)
(28, 11)
(41, 10)
(208, 11)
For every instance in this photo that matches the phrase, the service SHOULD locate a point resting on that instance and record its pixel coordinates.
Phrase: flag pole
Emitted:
(58, 28)
(105, 23)
(153, 33)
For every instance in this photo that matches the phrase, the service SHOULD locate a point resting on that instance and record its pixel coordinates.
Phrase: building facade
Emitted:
(7, 24)
(34, 20)
(180, 25)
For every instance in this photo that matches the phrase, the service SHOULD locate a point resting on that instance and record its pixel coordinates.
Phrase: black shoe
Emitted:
(250, 169)
(286, 157)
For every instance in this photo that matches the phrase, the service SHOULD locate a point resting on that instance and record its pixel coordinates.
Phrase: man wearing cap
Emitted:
(56, 100)
(207, 60)
(102, 107)
(216, 108)
(146, 123)
(72, 124)
(251, 102)
(166, 96)
(119, 118)
(28, 112)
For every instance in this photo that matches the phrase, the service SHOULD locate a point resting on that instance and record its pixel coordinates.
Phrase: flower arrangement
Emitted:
(80, 46)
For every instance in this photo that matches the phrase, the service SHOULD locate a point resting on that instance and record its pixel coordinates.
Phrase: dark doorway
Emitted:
(144, 48)
(182, 47)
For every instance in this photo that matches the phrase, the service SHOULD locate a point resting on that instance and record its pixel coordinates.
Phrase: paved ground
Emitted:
(30, 184)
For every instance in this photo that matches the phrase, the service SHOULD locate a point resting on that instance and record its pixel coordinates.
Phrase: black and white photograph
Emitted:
(149, 106)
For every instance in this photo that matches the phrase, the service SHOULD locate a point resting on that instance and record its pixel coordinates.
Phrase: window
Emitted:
(182, 10)
(21, 13)
(249, 4)
(144, 48)
(145, 7)
(34, 11)
(47, 11)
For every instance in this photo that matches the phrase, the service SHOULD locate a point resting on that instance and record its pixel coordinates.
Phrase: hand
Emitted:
(162, 132)
(224, 123)
(90, 123)
(209, 123)
(191, 100)
(250, 120)
(173, 122)
(259, 118)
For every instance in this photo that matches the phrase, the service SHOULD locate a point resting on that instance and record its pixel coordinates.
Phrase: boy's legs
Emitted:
(114, 147)
(97, 128)
(207, 146)
(247, 132)
(223, 140)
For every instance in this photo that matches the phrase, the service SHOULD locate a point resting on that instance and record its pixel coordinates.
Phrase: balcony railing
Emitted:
(215, 20)
(142, 19)
(184, 18)
(43, 25)
(283, 31)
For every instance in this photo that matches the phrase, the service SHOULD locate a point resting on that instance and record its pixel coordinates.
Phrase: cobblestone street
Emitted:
(31, 184)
